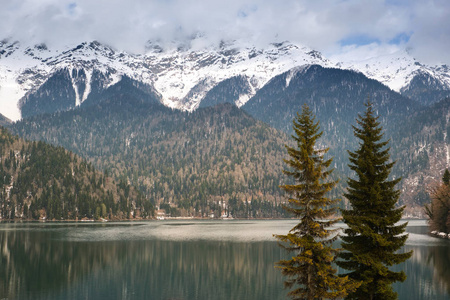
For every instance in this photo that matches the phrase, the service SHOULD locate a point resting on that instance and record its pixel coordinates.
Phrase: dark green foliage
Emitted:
(98, 82)
(170, 211)
(446, 177)
(196, 161)
(38, 180)
(227, 91)
(310, 271)
(372, 238)
(334, 96)
(125, 88)
(56, 94)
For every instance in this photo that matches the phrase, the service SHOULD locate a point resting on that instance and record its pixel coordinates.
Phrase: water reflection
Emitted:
(439, 257)
(139, 262)
(43, 265)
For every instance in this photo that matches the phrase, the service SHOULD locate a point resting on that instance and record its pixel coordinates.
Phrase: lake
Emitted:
(229, 259)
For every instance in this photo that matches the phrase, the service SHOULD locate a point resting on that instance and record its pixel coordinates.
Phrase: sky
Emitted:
(358, 28)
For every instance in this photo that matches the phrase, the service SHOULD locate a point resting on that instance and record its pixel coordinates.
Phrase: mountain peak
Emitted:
(183, 73)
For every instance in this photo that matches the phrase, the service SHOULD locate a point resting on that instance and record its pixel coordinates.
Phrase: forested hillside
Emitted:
(336, 98)
(228, 91)
(418, 135)
(425, 89)
(44, 101)
(40, 181)
(421, 147)
(220, 159)
(214, 160)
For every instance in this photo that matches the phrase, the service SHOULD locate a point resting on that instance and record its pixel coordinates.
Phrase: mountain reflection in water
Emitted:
(186, 260)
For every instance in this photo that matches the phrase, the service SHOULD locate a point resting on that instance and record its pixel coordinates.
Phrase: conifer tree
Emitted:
(446, 177)
(310, 271)
(372, 238)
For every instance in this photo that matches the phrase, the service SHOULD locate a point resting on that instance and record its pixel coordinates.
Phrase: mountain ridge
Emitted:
(184, 76)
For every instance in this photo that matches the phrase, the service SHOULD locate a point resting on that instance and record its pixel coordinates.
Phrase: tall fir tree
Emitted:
(310, 270)
(372, 238)
(446, 177)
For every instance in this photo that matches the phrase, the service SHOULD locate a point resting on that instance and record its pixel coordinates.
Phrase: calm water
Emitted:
(177, 260)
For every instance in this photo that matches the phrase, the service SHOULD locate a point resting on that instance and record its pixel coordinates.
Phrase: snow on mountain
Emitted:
(202, 70)
(396, 70)
(23, 69)
(182, 76)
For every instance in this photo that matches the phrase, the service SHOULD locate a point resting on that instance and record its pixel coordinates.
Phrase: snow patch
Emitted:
(10, 93)
(243, 98)
(75, 88)
(448, 155)
(115, 78)
(87, 89)
(289, 76)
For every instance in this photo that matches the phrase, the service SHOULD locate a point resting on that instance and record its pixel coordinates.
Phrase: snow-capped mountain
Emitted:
(404, 74)
(181, 76)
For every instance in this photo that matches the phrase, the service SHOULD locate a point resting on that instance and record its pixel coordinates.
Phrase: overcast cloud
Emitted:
(330, 26)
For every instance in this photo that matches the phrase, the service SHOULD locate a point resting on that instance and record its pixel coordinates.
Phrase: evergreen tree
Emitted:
(310, 271)
(372, 238)
(446, 177)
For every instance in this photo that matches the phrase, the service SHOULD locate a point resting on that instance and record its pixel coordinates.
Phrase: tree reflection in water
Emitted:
(40, 265)
(439, 258)
(49, 261)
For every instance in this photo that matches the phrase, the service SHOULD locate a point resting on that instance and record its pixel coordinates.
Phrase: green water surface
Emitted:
(177, 260)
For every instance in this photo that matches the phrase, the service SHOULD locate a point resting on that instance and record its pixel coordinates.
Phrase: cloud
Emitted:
(431, 31)
(326, 25)
(357, 53)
